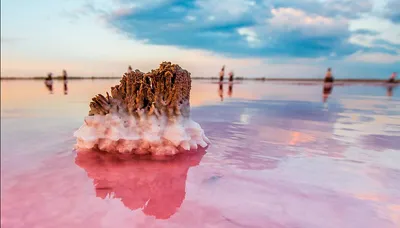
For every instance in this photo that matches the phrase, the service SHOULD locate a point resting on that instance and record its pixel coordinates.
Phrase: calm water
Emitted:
(280, 158)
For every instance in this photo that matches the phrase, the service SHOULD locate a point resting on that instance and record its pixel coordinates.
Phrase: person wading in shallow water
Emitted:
(328, 76)
(230, 83)
(392, 78)
(231, 76)
(392, 83)
(49, 82)
(221, 74)
(328, 84)
(65, 78)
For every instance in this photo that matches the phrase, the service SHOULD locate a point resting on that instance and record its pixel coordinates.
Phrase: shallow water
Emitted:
(280, 157)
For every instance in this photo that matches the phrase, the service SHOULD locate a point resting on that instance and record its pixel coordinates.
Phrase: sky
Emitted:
(253, 38)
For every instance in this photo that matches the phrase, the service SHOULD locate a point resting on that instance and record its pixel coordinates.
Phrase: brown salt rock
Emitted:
(163, 91)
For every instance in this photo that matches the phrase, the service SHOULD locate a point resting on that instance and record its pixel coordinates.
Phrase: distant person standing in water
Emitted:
(391, 82)
(328, 84)
(65, 78)
(222, 73)
(231, 76)
(328, 76)
(392, 78)
(49, 82)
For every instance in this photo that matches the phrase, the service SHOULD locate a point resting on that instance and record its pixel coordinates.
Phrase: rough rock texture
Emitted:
(163, 91)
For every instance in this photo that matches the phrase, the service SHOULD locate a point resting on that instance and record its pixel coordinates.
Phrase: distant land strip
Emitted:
(209, 78)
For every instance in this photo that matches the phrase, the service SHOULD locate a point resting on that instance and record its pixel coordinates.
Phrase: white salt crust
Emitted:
(145, 135)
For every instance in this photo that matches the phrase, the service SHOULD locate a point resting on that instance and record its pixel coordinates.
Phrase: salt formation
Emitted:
(147, 113)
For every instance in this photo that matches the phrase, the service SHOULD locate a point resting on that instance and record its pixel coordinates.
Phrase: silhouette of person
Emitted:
(222, 73)
(65, 79)
(328, 76)
(221, 91)
(328, 85)
(392, 78)
(231, 76)
(49, 82)
(155, 187)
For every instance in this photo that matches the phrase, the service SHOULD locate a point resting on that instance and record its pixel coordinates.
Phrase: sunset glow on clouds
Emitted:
(258, 38)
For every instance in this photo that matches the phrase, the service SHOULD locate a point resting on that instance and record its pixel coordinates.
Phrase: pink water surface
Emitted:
(280, 157)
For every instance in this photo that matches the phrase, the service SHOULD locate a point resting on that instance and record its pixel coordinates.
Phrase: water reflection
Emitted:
(65, 87)
(230, 89)
(370, 124)
(221, 90)
(389, 90)
(327, 90)
(156, 186)
(262, 134)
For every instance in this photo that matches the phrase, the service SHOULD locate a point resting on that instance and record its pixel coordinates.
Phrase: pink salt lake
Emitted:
(279, 157)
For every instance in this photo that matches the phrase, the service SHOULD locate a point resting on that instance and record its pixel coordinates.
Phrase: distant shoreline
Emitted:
(209, 78)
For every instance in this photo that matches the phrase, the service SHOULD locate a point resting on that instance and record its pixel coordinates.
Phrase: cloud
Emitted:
(374, 57)
(241, 28)
(387, 44)
(392, 11)
(329, 8)
(365, 32)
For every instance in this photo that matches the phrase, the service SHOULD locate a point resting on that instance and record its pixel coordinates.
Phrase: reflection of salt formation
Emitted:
(156, 186)
(146, 113)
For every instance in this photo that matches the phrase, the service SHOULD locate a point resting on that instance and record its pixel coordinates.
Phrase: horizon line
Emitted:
(204, 78)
